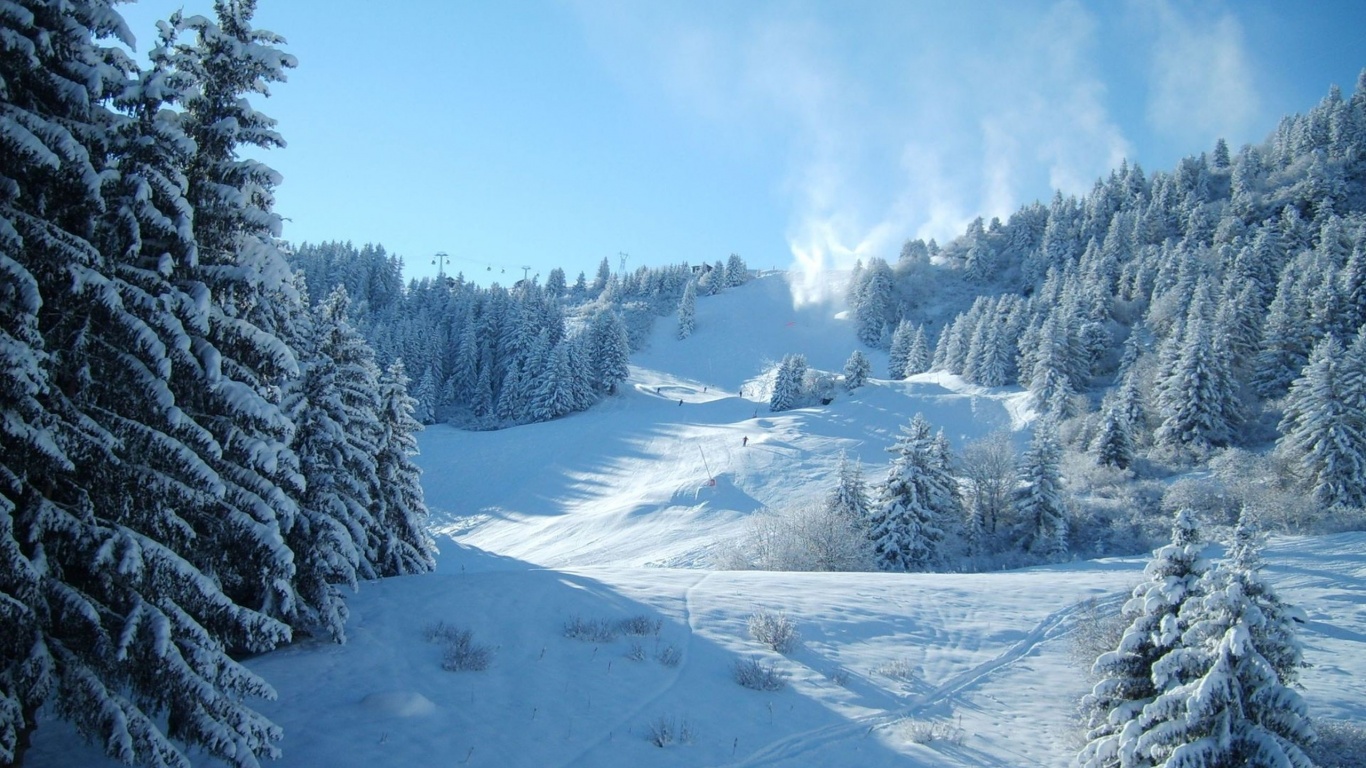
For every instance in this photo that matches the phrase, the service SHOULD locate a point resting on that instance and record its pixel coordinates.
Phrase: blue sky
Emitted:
(545, 134)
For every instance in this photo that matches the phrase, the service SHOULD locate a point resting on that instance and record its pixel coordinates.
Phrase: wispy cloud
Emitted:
(1201, 81)
(901, 123)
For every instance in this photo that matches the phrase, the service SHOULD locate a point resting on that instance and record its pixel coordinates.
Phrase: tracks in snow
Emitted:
(1052, 626)
(623, 723)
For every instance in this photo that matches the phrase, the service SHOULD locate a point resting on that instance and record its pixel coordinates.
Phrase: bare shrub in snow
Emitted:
(1099, 629)
(753, 674)
(590, 630)
(926, 731)
(897, 669)
(439, 632)
(663, 731)
(636, 652)
(1341, 744)
(462, 654)
(809, 537)
(774, 630)
(669, 656)
(838, 676)
(640, 626)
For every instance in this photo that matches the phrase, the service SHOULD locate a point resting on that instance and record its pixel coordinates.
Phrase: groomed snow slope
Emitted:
(599, 494)
(630, 481)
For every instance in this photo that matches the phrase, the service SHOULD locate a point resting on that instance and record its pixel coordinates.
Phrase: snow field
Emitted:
(574, 519)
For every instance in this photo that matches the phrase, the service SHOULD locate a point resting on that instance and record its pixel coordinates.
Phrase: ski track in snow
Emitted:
(583, 758)
(793, 746)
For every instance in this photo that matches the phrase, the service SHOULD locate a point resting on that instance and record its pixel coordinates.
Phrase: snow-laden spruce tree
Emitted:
(1114, 445)
(1286, 340)
(918, 356)
(1198, 400)
(737, 273)
(856, 370)
(991, 353)
(404, 545)
(1323, 430)
(687, 311)
(1225, 687)
(900, 350)
(787, 383)
(915, 504)
(121, 587)
(850, 495)
(1040, 510)
(1126, 684)
(334, 405)
(609, 351)
(873, 304)
(223, 60)
(1051, 386)
(553, 395)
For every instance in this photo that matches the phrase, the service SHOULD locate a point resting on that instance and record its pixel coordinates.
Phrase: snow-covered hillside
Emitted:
(629, 482)
(544, 525)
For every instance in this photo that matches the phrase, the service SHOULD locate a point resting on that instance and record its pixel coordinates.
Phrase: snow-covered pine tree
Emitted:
(737, 273)
(121, 618)
(856, 370)
(609, 351)
(1324, 427)
(1126, 683)
(850, 496)
(1223, 700)
(1286, 341)
(1039, 507)
(787, 383)
(687, 311)
(873, 306)
(250, 287)
(914, 504)
(952, 349)
(1114, 445)
(603, 276)
(1276, 638)
(918, 357)
(404, 546)
(900, 352)
(333, 405)
(1198, 400)
(1050, 381)
(553, 395)
(991, 352)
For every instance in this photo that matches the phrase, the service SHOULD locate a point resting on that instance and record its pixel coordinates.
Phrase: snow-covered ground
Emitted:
(609, 514)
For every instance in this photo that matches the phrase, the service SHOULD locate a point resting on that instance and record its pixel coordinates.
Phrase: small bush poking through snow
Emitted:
(664, 731)
(462, 653)
(926, 731)
(590, 630)
(898, 669)
(636, 652)
(669, 656)
(1341, 744)
(754, 675)
(775, 630)
(640, 626)
(838, 676)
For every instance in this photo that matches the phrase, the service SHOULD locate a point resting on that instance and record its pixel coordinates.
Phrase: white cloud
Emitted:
(1202, 85)
(900, 122)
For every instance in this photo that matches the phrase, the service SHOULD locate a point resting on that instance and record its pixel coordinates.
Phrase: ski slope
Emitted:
(610, 515)
(630, 482)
